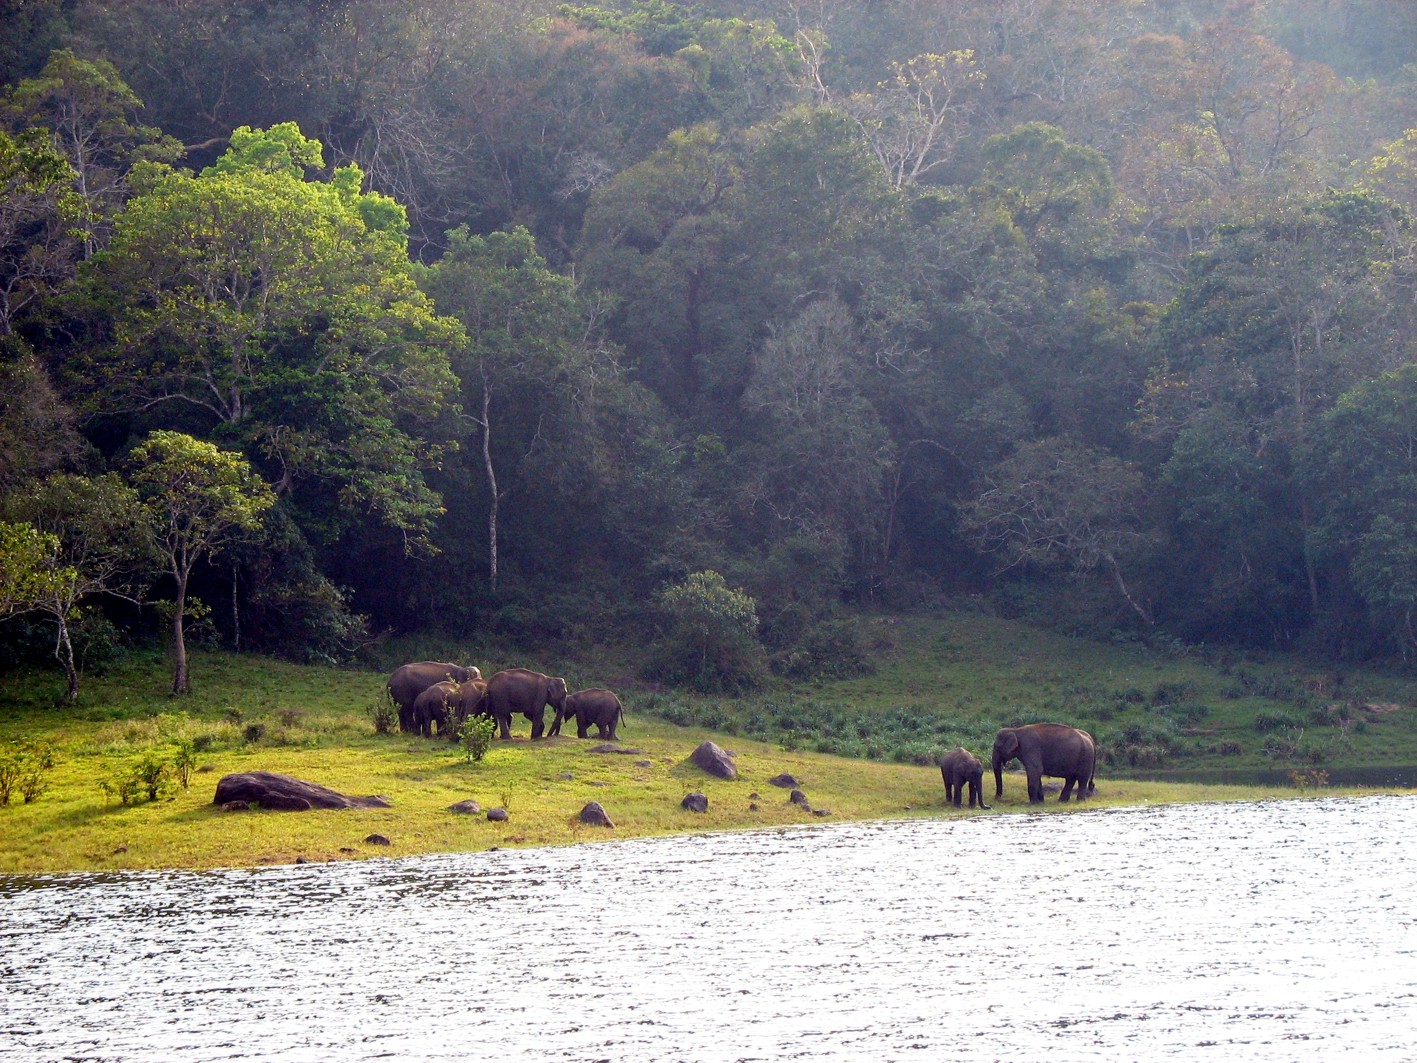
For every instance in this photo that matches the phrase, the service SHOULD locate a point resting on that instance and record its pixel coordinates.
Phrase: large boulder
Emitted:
(595, 815)
(715, 760)
(285, 793)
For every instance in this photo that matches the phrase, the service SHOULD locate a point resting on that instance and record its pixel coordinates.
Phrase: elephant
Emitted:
(1047, 749)
(593, 706)
(957, 767)
(527, 692)
(447, 704)
(410, 680)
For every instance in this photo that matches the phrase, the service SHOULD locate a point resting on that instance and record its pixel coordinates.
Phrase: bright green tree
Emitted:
(197, 500)
(101, 546)
(279, 314)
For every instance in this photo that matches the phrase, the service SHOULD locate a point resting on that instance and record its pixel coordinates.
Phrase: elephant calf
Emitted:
(958, 767)
(595, 705)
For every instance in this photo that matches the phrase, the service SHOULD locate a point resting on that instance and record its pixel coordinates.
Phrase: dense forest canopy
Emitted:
(535, 319)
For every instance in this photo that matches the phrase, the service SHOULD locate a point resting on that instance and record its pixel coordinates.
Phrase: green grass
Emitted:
(940, 681)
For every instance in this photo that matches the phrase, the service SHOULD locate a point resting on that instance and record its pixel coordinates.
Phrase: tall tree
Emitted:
(38, 209)
(279, 314)
(197, 499)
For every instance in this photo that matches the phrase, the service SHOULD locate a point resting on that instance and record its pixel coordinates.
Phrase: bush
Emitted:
(1269, 722)
(384, 714)
(712, 642)
(474, 734)
(23, 767)
(1184, 713)
(829, 650)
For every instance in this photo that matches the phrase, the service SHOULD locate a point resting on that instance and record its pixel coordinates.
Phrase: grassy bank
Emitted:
(938, 681)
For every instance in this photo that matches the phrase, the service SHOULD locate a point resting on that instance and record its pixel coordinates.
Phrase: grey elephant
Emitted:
(522, 690)
(448, 704)
(958, 767)
(410, 680)
(595, 705)
(1047, 749)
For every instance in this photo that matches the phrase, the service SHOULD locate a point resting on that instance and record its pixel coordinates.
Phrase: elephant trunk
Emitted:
(998, 775)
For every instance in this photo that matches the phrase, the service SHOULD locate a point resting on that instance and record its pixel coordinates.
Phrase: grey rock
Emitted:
(236, 806)
(784, 780)
(284, 793)
(821, 812)
(377, 839)
(595, 815)
(497, 815)
(611, 747)
(695, 802)
(797, 797)
(715, 760)
(466, 808)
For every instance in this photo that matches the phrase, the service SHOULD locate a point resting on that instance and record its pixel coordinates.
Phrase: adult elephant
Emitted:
(522, 690)
(958, 767)
(1047, 749)
(410, 680)
(595, 705)
(447, 705)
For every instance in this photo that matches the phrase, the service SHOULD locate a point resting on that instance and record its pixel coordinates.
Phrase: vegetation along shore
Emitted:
(859, 749)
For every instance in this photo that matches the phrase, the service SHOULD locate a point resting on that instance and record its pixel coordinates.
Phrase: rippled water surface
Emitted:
(1272, 931)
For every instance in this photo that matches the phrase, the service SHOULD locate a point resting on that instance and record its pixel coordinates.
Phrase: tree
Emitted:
(531, 364)
(197, 500)
(278, 314)
(37, 211)
(712, 639)
(26, 567)
(1361, 470)
(1056, 503)
(88, 110)
(100, 547)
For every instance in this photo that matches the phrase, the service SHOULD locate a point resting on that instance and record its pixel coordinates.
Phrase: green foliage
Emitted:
(24, 765)
(475, 735)
(151, 777)
(828, 650)
(711, 644)
(384, 714)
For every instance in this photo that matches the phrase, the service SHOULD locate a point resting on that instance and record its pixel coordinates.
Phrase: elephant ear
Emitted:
(1007, 745)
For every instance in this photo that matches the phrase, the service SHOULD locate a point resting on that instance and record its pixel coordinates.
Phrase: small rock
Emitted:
(784, 780)
(236, 806)
(348, 849)
(301, 859)
(752, 806)
(497, 815)
(755, 796)
(565, 776)
(610, 747)
(644, 763)
(695, 802)
(377, 839)
(120, 849)
(466, 808)
(715, 760)
(797, 797)
(821, 812)
(595, 815)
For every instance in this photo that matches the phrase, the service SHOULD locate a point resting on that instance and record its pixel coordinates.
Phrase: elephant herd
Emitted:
(1052, 749)
(438, 695)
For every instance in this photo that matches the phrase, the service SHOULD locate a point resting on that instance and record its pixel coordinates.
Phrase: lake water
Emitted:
(1279, 930)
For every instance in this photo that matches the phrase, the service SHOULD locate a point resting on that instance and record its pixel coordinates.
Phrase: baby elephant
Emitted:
(593, 706)
(958, 767)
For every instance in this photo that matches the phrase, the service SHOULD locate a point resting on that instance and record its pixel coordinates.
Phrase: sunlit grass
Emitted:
(315, 723)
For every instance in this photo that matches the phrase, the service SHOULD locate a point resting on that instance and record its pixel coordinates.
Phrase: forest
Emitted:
(706, 326)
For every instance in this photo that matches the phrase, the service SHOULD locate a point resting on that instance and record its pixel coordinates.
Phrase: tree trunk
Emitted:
(491, 486)
(180, 682)
(64, 650)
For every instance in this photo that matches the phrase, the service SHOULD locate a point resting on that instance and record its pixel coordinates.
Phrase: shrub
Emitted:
(253, 733)
(475, 735)
(184, 760)
(1184, 713)
(384, 714)
(23, 767)
(1269, 722)
(712, 641)
(829, 650)
(1171, 693)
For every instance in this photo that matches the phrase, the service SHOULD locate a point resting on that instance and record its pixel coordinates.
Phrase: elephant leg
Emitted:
(504, 727)
(1035, 786)
(1067, 788)
(538, 724)
(582, 729)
